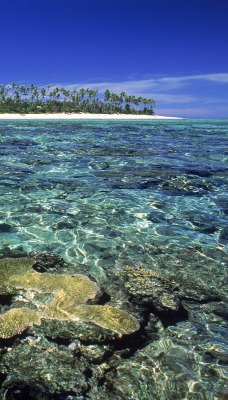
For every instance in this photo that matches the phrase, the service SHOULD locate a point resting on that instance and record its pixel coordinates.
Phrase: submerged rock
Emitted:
(16, 252)
(147, 286)
(177, 184)
(200, 273)
(223, 236)
(4, 227)
(64, 225)
(179, 352)
(186, 185)
(46, 262)
(69, 330)
(222, 202)
(174, 367)
(202, 222)
(41, 370)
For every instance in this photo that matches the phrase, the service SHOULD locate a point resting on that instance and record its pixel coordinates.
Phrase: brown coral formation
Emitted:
(69, 293)
(149, 287)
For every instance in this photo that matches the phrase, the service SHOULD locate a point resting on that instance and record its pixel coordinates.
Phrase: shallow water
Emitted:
(100, 192)
(86, 190)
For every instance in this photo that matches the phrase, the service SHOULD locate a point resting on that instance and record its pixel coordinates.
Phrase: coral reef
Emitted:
(71, 350)
(149, 287)
(69, 293)
(17, 320)
(39, 368)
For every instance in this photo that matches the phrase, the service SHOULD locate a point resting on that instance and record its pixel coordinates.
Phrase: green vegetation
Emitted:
(16, 98)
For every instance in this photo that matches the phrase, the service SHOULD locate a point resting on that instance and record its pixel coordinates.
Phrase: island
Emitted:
(20, 99)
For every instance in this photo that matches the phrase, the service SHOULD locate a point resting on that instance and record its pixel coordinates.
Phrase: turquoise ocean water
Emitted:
(99, 193)
(82, 189)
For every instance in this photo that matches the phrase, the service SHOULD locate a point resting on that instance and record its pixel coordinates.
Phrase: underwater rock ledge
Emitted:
(182, 338)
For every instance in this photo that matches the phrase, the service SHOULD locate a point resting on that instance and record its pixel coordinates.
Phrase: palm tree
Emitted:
(151, 102)
(48, 89)
(24, 92)
(31, 89)
(43, 93)
(122, 99)
(56, 94)
(36, 93)
(13, 98)
(107, 98)
(2, 93)
(107, 95)
(91, 97)
(82, 93)
(66, 94)
(74, 97)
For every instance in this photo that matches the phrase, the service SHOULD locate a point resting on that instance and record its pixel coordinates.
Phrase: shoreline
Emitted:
(62, 116)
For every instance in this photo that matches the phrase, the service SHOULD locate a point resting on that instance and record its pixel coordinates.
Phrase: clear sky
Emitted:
(174, 51)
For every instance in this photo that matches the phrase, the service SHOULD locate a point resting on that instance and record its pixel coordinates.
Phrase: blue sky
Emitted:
(174, 51)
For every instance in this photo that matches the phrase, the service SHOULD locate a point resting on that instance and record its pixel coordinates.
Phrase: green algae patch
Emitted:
(69, 294)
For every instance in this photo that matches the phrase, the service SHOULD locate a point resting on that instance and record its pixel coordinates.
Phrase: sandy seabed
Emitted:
(83, 116)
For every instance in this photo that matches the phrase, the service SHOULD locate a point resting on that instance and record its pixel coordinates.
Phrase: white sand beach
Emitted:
(82, 116)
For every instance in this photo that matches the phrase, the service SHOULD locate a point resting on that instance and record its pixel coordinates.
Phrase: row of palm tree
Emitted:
(16, 98)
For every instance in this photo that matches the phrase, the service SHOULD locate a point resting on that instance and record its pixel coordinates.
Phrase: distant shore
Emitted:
(82, 116)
